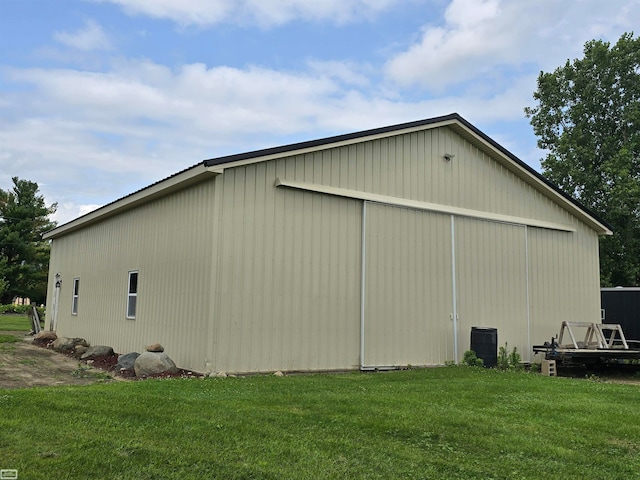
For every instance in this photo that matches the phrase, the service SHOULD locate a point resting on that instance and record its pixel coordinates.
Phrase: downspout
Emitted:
(526, 254)
(363, 265)
(454, 294)
(56, 300)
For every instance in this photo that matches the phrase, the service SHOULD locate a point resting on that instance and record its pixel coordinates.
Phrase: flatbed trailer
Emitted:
(601, 344)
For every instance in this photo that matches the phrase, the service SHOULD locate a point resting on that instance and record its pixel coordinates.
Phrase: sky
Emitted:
(99, 98)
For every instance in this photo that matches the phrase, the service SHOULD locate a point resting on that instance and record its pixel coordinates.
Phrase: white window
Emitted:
(74, 299)
(132, 294)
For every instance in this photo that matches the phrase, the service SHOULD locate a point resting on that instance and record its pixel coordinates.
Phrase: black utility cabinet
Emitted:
(622, 305)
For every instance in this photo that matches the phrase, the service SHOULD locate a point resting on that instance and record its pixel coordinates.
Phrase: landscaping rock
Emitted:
(65, 344)
(126, 361)
(278, 374)
(154, 363)
(97, 351)
(79, 350)
(155, 347)
(45, 336)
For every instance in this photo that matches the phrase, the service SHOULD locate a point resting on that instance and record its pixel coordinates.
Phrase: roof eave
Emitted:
(176, 182)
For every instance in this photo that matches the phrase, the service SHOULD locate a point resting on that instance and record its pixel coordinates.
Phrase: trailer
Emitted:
(599, 344)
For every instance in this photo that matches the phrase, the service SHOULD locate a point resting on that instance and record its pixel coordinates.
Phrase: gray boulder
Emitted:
(154, 363)
(97, 351)
(79, 350)
(126, 361)
(65, 344)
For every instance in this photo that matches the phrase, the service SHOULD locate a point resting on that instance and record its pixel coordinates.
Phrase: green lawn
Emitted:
(14, 322)
(443, 423)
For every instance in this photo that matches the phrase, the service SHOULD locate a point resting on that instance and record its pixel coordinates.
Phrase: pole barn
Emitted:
(376, 249)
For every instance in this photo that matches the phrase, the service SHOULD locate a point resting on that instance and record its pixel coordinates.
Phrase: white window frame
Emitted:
(132, 295)
(75, 295)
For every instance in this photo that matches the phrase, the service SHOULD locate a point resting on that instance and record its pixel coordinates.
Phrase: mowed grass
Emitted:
(14, 323)
(442, 423)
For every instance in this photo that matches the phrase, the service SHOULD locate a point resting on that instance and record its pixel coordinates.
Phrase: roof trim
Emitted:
(176, 182)
(301, 148)
(545, 185)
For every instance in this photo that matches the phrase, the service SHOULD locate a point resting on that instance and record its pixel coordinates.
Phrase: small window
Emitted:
(132, 295)
(76, 293)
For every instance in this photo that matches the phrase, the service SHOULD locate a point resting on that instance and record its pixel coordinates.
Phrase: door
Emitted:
(491, 282)
(407, 287)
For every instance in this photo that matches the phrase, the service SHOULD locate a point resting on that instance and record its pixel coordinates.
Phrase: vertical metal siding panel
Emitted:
(407, 309)
(309, 326)
(491, 274)
(422, 162)
(564, 280)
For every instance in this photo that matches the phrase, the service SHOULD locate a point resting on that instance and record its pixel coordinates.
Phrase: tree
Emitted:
(24, 256)
(588, 119)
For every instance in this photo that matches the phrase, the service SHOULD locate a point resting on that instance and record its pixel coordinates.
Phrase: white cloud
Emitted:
(480, 36)
(68, 211)
(347, 72)
(260, 12)
(90, 37)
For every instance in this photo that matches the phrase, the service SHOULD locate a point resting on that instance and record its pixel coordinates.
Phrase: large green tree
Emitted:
(588, 119)
(24, 256)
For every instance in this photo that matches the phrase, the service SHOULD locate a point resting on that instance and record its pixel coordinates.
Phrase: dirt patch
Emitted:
(24, 365)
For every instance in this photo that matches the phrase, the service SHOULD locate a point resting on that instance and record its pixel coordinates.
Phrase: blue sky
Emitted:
(99, 98)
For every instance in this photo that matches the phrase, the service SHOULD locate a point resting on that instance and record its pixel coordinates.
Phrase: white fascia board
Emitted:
(426, 206)
(161, 188)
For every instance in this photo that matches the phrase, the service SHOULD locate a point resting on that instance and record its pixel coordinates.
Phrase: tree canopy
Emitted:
(587, 117)
(24, 256)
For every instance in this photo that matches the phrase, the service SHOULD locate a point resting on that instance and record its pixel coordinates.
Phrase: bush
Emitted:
(508, 360)
(21, 310)
(471, 359)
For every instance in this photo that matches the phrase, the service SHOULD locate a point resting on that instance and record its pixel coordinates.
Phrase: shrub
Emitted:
(471, 359)
(21, 310)
(508, 360)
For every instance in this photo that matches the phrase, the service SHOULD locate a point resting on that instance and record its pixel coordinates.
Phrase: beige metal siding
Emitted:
(408, 288)
(412, 166)
(564, 280)
(288, 278)
(491, 266)
(168, 242)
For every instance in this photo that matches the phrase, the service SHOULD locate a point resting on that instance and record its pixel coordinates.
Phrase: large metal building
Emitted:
(376, 249)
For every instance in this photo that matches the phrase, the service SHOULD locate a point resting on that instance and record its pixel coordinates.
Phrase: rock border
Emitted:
(99, 357)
